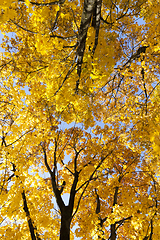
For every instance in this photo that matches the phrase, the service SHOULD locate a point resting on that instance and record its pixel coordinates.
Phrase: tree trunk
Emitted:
(113, 232)
(65, 229)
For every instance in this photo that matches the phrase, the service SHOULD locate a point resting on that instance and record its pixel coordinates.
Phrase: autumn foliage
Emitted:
(80, 119)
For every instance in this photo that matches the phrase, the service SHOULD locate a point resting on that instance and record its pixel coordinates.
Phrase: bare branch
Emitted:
(25, 29)
(90, 178)
(30, 223)
(19, 138)
(64, 38)
(45, 4)
(45, 159)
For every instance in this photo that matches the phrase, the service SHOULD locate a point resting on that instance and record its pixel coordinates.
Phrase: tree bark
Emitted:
(65, 228)
(113, 232)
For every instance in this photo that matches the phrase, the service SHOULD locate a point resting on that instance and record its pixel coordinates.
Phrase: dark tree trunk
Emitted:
(66, 211)
(65, 229)
(113, 232)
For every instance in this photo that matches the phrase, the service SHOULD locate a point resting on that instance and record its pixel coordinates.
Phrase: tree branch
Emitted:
(56, 191)
(85, 22)
(30, 224)
(45, 4)
(90, 178)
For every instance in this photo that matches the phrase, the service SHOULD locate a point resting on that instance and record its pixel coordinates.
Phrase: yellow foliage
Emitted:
(79, 120)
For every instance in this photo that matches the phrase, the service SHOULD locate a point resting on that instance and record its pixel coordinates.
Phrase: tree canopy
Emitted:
(80, 119)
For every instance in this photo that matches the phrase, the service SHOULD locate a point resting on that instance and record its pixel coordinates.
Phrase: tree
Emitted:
(80, 118)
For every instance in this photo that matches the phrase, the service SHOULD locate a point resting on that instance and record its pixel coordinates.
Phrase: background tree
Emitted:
(80, 118)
